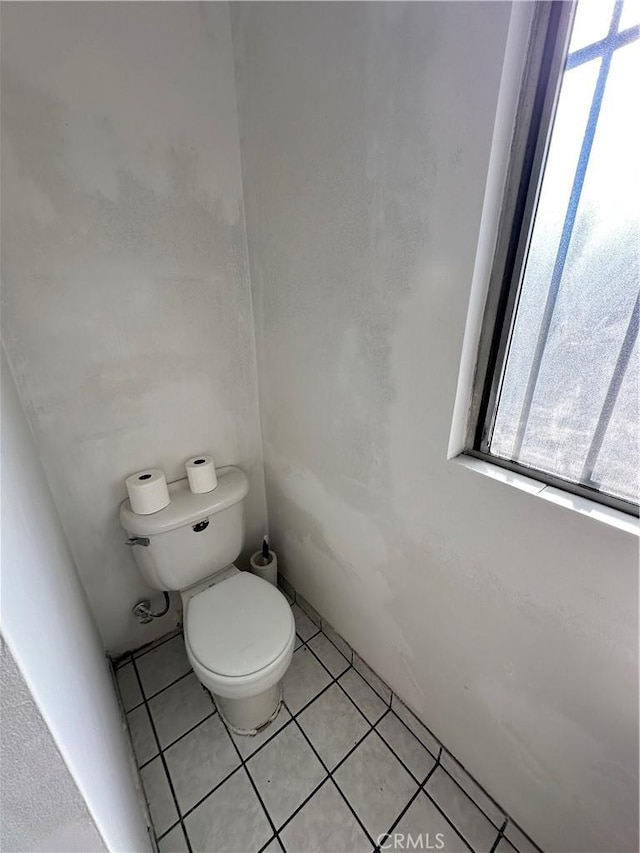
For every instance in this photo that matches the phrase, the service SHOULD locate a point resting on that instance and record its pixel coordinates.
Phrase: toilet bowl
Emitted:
(239, 630)
(239, 635)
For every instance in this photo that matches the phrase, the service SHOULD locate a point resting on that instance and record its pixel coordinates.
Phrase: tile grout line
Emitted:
(121, 660)
(372, 725)
(243, 764)
(498, 807)
(441, 746)
(235, 769)
(397, 757)
(158, 692)
(477, 805)
(420, 785)
(317, 787)
(442, 749)
(323, 632)
(267, 843)
(245, 761)
(411, 801)
(329, 776)
(425, 791)
(497, 841)
(166, 687)
(260, 800)
(418, 720)
(501, 835)
(375, 689)
(206, 796)
(334, 679)
(450, 821)
(388, 702)
(179, 738)
(374, 728)
(320, 631)
(164, 765)
(422, 789)
(293, 717)
(136, 655)
(227, 777)
(509, 820)
(352, 749)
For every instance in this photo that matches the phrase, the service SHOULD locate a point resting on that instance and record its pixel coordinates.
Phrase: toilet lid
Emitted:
(238, 626)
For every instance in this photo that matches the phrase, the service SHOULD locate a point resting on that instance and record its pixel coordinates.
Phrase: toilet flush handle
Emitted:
(137, 540)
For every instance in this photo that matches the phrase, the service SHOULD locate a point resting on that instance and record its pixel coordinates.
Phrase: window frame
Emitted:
(539, 93)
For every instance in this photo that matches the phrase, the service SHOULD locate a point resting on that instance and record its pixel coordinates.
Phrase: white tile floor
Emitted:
(343, 763)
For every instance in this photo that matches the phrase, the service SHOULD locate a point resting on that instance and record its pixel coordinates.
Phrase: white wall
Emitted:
(48, 628)
(127, 305)
(42, 808)
(508, 623)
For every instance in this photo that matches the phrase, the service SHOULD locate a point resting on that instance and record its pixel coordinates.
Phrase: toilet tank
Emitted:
(193, 537)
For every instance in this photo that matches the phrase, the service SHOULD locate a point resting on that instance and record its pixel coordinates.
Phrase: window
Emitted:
(557, 381)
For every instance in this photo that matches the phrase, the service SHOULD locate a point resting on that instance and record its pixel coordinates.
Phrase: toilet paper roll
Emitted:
(148, 491)
(202, 474)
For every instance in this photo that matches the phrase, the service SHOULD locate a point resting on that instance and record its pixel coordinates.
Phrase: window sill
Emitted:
(595, 511)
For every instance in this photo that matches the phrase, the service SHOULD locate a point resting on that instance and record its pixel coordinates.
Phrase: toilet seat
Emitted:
(238, 631)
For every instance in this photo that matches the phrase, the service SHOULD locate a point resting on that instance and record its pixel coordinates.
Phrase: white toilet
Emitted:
(239, 630)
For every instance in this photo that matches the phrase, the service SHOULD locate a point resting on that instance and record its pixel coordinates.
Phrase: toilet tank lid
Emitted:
(185, 507)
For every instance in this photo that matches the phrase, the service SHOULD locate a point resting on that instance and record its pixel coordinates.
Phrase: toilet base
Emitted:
(251, 714)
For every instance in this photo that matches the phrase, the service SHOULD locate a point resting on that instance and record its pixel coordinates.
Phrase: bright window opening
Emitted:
(566, 391)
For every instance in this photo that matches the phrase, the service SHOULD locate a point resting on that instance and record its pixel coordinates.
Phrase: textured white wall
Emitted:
(508, 623)
(48, 628)
(127, 305)
(42, 808)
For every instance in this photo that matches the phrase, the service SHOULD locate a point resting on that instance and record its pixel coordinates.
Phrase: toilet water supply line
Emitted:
(142, 609)
(144, 613)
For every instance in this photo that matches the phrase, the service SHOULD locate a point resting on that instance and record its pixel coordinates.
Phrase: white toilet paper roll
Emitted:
(202, 474)
(148, 491)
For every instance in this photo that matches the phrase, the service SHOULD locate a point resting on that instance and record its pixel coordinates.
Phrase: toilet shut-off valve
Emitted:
(143, 611)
